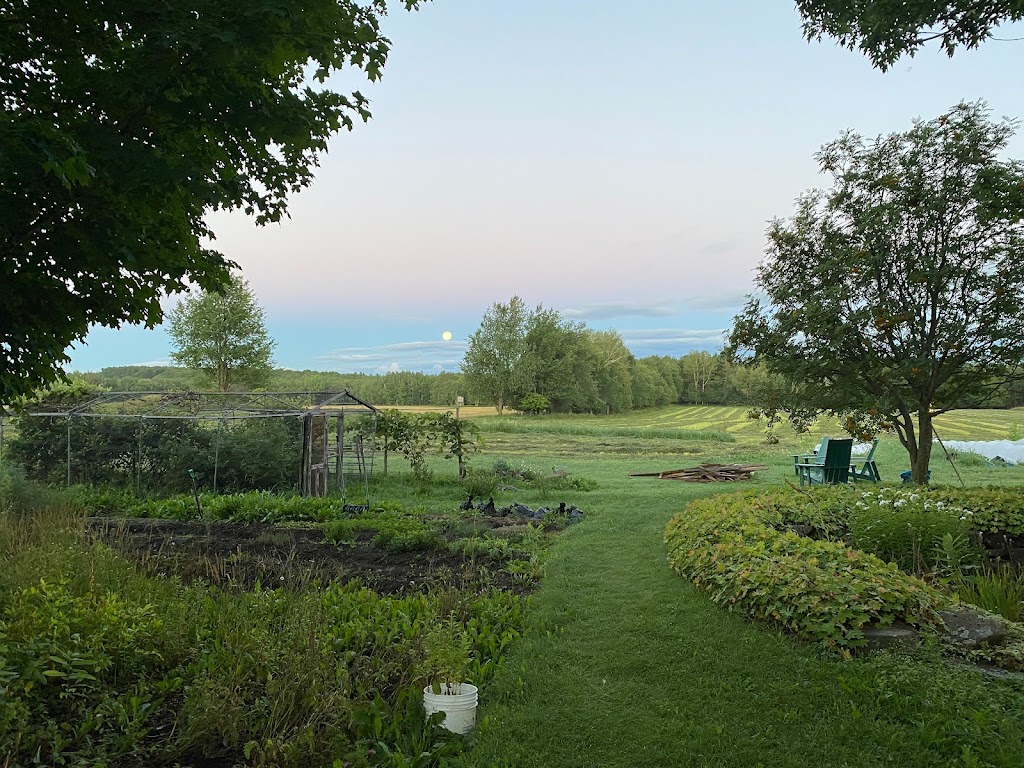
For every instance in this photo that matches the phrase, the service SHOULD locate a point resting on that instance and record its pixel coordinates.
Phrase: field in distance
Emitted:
(979, 424)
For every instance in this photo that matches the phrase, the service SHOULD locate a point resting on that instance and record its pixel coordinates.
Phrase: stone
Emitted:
(999, 674)
(800, 529)
(897, 637)
(971, 630)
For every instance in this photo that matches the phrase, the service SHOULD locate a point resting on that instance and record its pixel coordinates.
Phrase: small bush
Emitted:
(480, 485)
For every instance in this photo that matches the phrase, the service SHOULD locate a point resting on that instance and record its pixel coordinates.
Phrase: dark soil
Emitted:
(243, 554)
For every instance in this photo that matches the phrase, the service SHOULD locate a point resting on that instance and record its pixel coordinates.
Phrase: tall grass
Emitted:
(527, 426)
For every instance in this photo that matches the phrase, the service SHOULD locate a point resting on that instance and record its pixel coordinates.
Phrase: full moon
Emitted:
(447, 335)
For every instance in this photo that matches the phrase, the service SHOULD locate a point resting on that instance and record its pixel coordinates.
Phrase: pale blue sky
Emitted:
(618, 162)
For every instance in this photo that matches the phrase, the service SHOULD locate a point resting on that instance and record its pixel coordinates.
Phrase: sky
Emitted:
(618, 162)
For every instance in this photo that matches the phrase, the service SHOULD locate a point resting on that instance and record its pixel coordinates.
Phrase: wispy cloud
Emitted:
(719, 247)
(672, 341)
(427, 356)
(612, 309)
(161, 362)
(717, 301)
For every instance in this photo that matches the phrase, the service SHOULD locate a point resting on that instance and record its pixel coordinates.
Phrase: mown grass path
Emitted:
(631, 666)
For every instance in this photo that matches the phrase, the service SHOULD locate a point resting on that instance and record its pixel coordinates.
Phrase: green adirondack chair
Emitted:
(864, 468)
(831, 466)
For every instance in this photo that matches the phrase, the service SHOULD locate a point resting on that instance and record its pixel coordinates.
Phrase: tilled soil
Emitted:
(243, 554)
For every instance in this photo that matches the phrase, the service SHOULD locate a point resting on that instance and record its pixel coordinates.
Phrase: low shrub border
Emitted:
(824, 591)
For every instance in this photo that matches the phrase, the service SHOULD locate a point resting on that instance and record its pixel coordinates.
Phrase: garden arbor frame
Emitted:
(321, 453)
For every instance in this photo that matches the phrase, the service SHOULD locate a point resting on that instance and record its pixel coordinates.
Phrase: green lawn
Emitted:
(628, 665)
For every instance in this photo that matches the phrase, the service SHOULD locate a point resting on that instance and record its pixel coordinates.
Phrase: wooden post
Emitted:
(341, 452)
(69, 451)
(339, 436)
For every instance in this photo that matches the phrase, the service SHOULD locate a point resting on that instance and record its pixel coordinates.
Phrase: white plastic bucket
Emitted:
(459, 706)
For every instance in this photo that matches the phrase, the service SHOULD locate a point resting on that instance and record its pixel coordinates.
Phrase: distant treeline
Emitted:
(694, 378)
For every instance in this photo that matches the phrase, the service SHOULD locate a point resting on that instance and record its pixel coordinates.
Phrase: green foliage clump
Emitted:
(480, 484)
(255, 507)
(993, 509)
(157, 454)
(493, 550)
(534, 404)
(907, 527)
(998, 589)
(17, 494)
(820, 590)
(100, 665)
(223, 334)
(397, 533)
(80, 675)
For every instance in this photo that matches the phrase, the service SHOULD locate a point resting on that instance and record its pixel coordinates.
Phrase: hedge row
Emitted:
(730, 547)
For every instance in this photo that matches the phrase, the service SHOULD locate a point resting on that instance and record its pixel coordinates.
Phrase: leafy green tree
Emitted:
(493, 367)
(125, 123)
(458, 438)
(699, 368)
(649, 385)
(534, 404)
(609, 363)
(888, 29)
(897, 294)
(224, 335)
(552, 346)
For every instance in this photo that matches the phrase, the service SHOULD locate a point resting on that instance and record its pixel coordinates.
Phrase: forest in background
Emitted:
(694, 378)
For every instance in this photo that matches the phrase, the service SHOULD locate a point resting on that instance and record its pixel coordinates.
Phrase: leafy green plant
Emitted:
(534, 404)
(447, 656)
(998, 589)
(18, 495)
(993, 509)
(820, 590)
(969, 459)
(480, 484)
(397, 533)
(483, 548)
(904, 526)
(93, 661)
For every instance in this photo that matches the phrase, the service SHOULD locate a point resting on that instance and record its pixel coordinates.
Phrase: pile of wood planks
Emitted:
(707, 473)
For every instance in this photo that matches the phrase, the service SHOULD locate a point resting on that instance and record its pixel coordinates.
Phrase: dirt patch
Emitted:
(243, 554)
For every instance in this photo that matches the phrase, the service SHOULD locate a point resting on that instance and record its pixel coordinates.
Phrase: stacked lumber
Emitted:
(707, 473)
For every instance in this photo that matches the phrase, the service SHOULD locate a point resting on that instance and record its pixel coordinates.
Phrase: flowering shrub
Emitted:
(906, 526)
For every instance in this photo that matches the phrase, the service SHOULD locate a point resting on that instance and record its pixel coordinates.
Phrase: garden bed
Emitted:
(244, 554)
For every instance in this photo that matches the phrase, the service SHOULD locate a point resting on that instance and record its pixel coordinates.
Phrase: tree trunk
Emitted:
(919, 467)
